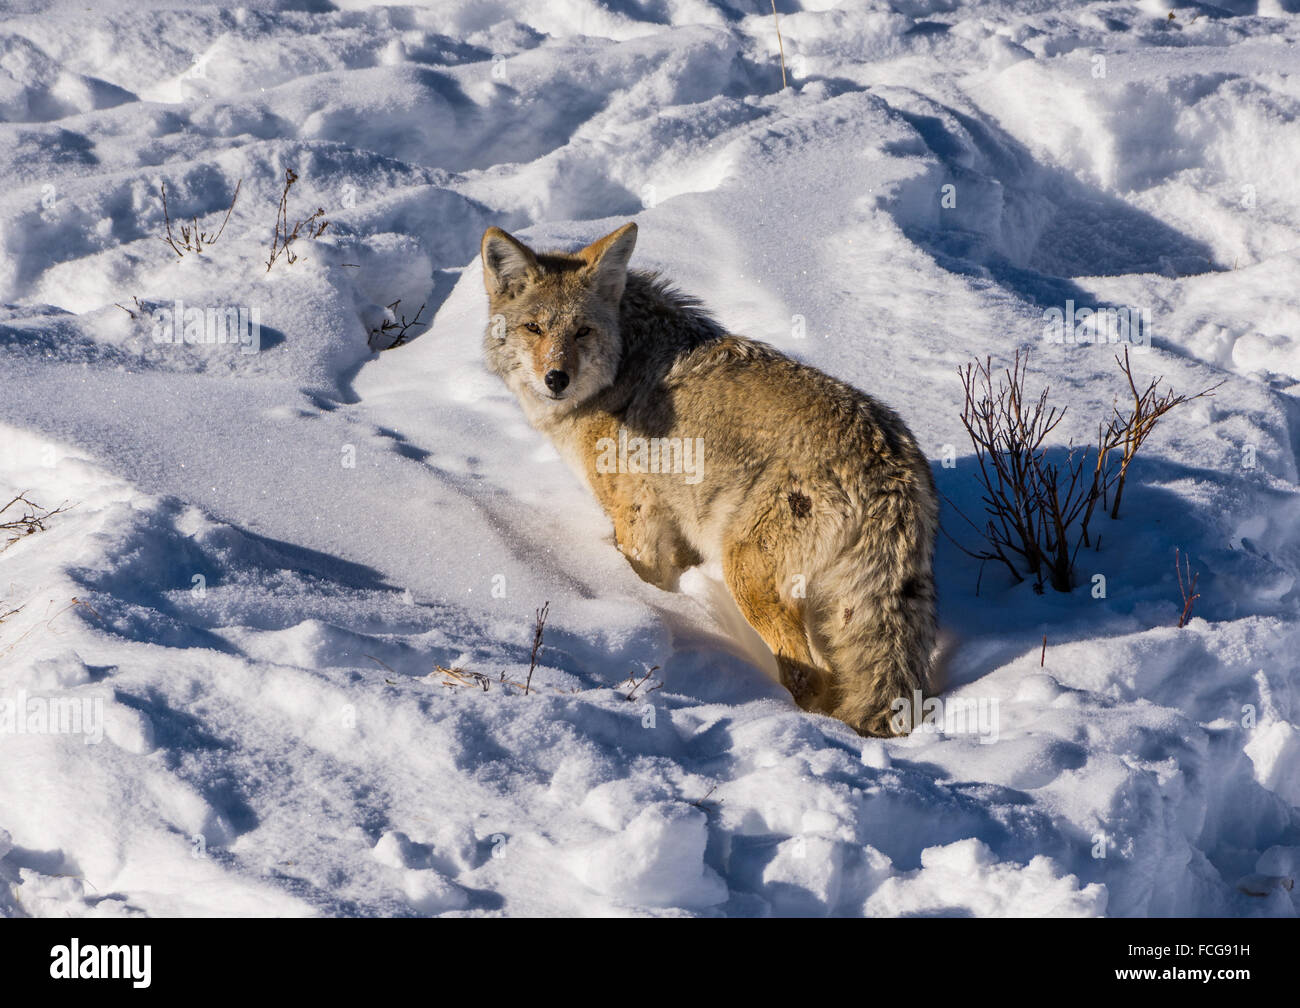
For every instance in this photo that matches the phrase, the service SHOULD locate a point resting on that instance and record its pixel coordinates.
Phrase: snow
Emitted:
(273, 547)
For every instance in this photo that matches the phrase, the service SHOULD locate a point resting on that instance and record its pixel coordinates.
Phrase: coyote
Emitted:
(812, 497)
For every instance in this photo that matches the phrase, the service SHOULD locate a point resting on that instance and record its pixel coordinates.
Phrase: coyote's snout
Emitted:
(703, 446)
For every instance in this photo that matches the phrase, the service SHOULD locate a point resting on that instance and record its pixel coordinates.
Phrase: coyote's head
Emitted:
(552, 330)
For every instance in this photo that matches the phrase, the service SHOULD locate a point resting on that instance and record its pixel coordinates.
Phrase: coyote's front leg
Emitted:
(752, 577)
(649, 537)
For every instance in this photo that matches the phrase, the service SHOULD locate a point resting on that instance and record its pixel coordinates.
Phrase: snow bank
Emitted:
(280, 544)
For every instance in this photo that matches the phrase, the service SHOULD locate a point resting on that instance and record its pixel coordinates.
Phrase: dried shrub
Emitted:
(1037, 513)
(192, 237)
(284, 236)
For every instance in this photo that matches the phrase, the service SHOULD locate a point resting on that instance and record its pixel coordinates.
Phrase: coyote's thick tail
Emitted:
(877, 617)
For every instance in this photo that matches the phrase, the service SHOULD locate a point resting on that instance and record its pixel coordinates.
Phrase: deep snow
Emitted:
(272, 551)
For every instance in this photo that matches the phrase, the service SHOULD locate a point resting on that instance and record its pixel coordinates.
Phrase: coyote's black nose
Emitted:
(557, 381)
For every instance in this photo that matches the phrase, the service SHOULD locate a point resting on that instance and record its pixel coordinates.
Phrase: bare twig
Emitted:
(73, 603)
(167, 217)
(229, 210)
(1128, 432)
(780, 44)
(537, 643)
(460, 677)
(1188, 591)
(46, 624)
(638, 683)
(138, 305)
(79, 878)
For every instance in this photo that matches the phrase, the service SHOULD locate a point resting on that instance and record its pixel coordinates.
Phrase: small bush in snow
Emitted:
(192, 237)
(1037, 513)
(284, 236)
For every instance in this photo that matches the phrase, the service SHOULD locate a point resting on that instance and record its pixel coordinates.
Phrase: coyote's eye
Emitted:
(582, 332)
(533, 327)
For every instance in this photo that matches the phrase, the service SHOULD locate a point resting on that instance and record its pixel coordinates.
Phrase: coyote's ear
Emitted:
(506, 261)
(607, 261)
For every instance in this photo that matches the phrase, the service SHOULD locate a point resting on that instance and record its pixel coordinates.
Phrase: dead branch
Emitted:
(460, 677)
(29, 523)
(140, 310)
(780, 44)
(537, 643)
(1188, 591)
(636, 684)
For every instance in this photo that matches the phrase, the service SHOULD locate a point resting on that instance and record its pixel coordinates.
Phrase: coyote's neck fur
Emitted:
(658, 326)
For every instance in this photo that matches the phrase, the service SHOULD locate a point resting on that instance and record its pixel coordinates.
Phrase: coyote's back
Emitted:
(703, 446)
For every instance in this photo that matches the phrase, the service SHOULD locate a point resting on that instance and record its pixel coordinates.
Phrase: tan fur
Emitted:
(804, 480)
